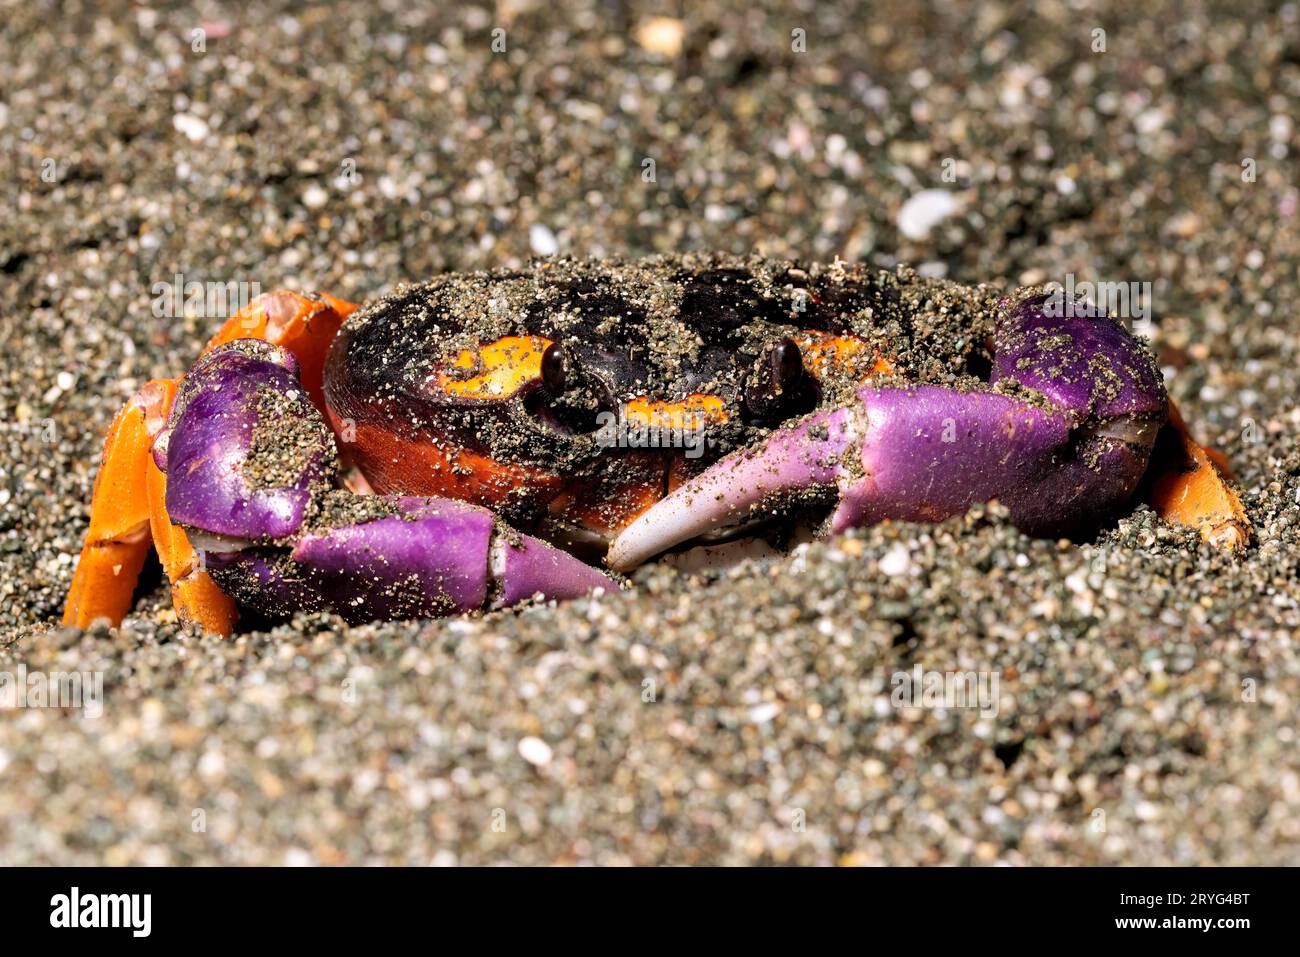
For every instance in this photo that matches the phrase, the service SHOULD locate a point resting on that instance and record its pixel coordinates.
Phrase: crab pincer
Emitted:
(1061, 434)
(251, 478)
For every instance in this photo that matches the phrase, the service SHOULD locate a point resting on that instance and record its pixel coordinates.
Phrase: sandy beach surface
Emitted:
(1148, 684)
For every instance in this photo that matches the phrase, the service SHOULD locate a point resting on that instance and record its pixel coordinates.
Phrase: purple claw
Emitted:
(432, 557)
(1086, 365)
(244, 445)
(923, 453)
(523, 566)
(247, 454)
(809, 454)
(429, 561)
(265, 581)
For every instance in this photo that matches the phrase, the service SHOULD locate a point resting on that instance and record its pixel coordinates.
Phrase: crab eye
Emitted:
(773, 383)
(554, 370)
(570, 396)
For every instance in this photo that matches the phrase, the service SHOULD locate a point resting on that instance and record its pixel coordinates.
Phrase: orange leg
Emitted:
(1189, 487)
(126, 514)
(117, 541)
(128, 507)
(195, 596)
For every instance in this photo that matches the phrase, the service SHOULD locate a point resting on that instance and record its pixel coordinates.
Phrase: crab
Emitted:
(475, 441)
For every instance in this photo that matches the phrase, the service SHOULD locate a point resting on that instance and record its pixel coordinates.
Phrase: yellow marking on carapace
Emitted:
(689, 414)
(1195, 494)
(825, 350)
(503, 368)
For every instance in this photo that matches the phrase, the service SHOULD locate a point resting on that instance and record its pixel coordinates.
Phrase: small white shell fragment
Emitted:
(190, 126)
(896, 562)
(542, 240)
(662, 36)
(925, 210)
(315, 197)
(763, 713)
(535, 751)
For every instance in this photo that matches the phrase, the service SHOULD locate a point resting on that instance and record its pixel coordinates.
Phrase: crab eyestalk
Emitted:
(1066, 452)
(773, 382)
